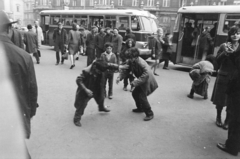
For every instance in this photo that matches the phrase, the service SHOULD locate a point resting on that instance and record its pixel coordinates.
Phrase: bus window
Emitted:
(123, 23)
(81, 20)
(67, 19)
(153, 25)
(96, 21)
(229, 21)
(146, 23)
(54, 19)
(135, 24)
(110, 21)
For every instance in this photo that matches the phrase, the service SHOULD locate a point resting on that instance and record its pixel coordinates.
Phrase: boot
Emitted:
(225, 125)
(76, 120)
(149, 115)
(218, 119)
(191, 94)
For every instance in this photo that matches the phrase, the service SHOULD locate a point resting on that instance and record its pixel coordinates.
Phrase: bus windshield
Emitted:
(149, 24)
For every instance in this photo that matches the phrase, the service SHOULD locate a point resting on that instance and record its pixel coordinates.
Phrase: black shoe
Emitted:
(77, 58)
(77, 123)
(62, 62)
(165, 68)
(147, 118)
(225, 126)
(137, 110)
(38, 62)
(104, 110)
(205, 97)
(57, 63)
(224, 148)
(110, 97)
(72, 66)
(156, 74)
(190, 96)
(219, 122)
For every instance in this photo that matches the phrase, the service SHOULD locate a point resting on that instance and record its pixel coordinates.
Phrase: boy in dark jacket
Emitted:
(91, 84)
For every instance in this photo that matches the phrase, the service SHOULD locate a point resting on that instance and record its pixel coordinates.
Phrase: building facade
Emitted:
(28, 12)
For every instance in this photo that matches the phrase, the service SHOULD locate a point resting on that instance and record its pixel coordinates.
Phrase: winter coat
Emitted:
(59, 39)
(205, 40)
(31, 42)
(117, 43)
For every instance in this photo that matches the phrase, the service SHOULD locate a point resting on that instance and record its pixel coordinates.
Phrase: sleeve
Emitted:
(80, 80)
(221, 54)
(33, 88)
(143, 78)
(119, 44)
(36, 41)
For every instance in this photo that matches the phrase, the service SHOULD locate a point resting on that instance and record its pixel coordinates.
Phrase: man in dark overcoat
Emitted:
(117, 43)
(100, 42)
(60, 41)
(22, 73)
(144, 84)
(91, 45)
(31, 42)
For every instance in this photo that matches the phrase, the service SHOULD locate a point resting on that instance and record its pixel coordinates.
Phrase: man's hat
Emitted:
(4, 19)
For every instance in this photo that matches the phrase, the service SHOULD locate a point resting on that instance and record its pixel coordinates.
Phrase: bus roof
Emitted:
(99, 12)
(210, 9)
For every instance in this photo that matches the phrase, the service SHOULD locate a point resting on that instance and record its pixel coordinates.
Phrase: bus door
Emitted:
(194, 38)
(45, 19)
(97, 21)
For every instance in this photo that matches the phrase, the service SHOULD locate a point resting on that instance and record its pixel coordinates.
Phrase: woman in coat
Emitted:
(157, 49)
(219, 96)
(75, 40)
(144, 85)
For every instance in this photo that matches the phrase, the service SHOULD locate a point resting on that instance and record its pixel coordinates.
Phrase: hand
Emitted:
(228, 48)
(89, 92)
(123, 67)
(117, 80)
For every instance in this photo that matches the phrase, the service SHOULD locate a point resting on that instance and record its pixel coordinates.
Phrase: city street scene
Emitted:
(120, 79)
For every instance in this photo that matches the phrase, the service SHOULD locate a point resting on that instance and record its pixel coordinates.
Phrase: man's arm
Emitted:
(143, 78)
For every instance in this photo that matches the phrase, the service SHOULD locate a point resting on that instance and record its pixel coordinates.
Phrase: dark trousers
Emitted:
(109, 78)
(166, 62)
(233, 141)
(36, 55)
(99, 52)
(141, 101)
(82, 100)
(129, 77)
(58, 56)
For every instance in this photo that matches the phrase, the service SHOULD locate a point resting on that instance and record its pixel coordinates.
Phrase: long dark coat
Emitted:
(117, 43)
(90, 48)
(59, 39)
(99, 39)
(145, 78)
(157, 48)
(75, 40)
(17, 38)
(24, 79)
(31, 42)
(219, 96)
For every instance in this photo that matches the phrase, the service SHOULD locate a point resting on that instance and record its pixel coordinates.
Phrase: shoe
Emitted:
(205, 97)
(165, 68)
(125, 88)
(110, 97)
(132, 88)
(56, 63)
(219, 122)
(190, 96)
(225, 126)
(72, 66)
(104, 110)
(77, 58)
(137, 110)
(156, 74)
(224, 148)
(62, 62)
(147, 118)
(38, 62)
(77, 123)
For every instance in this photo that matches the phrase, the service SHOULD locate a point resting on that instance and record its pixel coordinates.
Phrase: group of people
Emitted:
(226, 91)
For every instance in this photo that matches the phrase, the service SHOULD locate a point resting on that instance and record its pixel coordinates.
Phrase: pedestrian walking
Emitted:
(166, 50)
(157, 49)
(108, 36)
(22, 73)
(219, 96)
(205, 42)
(84, 34)
(75, 40)
(31, 43)
(100, 42)
(117, 44)
(144, 84)
(129, 35)
(40, 36)
(60, 42)
(109, 57)
(91, 85)
(91, 45)
(232, 144)
(201, 76)
(129, 44)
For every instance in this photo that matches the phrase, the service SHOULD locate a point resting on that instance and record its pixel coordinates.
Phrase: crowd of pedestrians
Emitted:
(106, 55)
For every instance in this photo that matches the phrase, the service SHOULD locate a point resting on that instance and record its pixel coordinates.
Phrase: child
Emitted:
(90, 84)
(200, 75)
(109, 57)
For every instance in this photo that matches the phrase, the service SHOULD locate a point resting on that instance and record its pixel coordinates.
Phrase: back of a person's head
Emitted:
(130, 39)
(29, 26)
(128, 30)
(132, 53)
(100, 65)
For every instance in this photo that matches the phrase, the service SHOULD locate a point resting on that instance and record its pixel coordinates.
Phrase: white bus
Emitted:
(142, 23)
(186, 49)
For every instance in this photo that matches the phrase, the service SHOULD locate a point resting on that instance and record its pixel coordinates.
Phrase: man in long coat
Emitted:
(100, 43)
(31, 42)
(60, 41)
(91, 46)
(144, 84)
(117, 43)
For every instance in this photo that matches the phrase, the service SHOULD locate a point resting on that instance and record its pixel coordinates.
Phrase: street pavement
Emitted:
(182, 128)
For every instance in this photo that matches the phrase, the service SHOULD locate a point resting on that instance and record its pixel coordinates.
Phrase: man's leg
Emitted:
(136, 97)
(99, 98)
(37, 57)
(219, 113)
(57, 57)
(110, 85)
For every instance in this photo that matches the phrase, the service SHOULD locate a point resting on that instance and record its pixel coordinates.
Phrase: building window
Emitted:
(82, 3)
(166, 19)
(18, 8)
(166, 3)
(135, 2)
(58, 3)
(91, 3)
(151, 3)
(74, 3)
(120, 2)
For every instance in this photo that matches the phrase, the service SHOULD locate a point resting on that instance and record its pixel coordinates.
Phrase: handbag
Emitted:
(65, 54)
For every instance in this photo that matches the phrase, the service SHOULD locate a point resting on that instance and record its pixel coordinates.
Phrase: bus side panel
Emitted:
(220, 39)
(173, 57)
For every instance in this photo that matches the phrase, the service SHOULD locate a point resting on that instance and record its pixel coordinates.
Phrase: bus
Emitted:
(142, 23)
(191, 22)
